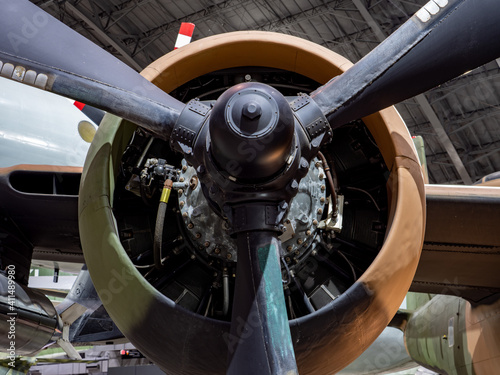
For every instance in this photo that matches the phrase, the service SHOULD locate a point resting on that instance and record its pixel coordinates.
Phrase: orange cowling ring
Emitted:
(325, 341)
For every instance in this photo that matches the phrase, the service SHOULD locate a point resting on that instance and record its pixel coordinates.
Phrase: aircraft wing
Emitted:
(461, 251)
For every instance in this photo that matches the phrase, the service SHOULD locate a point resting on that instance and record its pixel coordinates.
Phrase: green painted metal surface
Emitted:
(436, 336)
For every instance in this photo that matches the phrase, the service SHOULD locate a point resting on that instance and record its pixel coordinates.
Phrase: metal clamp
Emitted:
(310, 116)
(188, 125)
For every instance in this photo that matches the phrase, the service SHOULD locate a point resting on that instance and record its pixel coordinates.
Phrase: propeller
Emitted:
(444, 39)
(260, 340)
(38, 50)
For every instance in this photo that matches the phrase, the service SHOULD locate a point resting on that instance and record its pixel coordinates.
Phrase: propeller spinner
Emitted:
(251, 132)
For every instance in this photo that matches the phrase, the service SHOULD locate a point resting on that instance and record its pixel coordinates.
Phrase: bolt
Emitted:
(181, 179)
(304, 219)
(320, 211)
(315, 222)
(181, 204)
(180, 191)
(229, 256)
(207, 243)
(323, 187)
(314, 252)
(193, 183)
(321, 176)
(322, 199)
(299, 241)
(198, 235)
(297, 252)
(185, 214)
(190, 226)
(308, 232)
(217, 250)
(318, 164)
(289, 248)
(184, 168)
(252, 110)
(287, 259)
(193, 257)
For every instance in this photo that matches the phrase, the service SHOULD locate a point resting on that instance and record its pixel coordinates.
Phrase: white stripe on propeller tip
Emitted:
(185, 34)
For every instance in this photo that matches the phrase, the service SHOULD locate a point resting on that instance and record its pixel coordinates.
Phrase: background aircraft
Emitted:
(330, 302)
(39, 128)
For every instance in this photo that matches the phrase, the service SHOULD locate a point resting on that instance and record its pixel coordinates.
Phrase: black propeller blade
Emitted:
(37, 49)
(441, 41)
(260, 340)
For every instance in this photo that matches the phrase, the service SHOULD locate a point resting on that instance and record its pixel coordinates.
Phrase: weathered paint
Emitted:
(259, 339)
(452, 337)
(325, 341)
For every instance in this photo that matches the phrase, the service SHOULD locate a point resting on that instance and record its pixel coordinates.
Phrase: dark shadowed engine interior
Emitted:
(332, 235)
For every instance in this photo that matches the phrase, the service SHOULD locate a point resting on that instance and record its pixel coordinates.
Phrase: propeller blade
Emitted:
(260, 335)
(38, 50)
(443, 40)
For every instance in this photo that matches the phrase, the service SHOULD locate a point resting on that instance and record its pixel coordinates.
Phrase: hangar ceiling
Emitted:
(459, 120)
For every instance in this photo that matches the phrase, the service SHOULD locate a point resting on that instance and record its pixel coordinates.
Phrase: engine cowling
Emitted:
(331, 334)
(450, 335)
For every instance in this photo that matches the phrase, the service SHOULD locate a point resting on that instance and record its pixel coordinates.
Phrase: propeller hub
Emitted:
(251, 130)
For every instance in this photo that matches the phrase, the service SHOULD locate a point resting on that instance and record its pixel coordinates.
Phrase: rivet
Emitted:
(190, 226)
